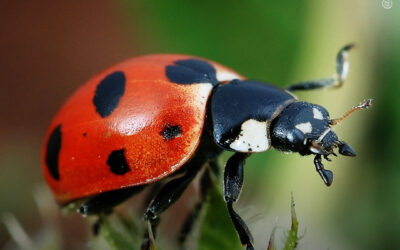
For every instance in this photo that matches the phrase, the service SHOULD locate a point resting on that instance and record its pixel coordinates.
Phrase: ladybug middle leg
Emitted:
(104, 203)
(342, 69)
(206, 183)
(167, 195)
(233, 182)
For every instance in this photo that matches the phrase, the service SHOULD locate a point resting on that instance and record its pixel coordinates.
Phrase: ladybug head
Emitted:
(307, 129)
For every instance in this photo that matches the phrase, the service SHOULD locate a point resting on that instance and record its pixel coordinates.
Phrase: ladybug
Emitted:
(163, 118)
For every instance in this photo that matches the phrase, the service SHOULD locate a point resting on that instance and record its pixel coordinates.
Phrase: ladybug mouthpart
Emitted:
(328, 140)
(346, 150)
(317, 148)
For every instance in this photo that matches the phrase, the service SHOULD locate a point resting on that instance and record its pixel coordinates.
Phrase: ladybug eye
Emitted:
(307, 141)
(296, 137)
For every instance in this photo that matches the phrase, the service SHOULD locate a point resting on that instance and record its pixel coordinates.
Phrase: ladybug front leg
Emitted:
(342, 69)
(233, 182)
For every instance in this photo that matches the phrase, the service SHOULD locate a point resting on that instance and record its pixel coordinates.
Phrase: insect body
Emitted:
(154, 116)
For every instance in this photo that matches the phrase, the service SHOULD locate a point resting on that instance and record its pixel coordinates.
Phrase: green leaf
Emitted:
(292, 238)
(217, 230)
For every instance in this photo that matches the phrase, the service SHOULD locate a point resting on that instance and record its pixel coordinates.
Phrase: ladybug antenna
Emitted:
(364, 104)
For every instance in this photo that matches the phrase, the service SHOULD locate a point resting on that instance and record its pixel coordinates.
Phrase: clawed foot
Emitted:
(326, 175)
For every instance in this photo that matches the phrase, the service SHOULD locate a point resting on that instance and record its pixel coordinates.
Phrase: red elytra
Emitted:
(150, 104)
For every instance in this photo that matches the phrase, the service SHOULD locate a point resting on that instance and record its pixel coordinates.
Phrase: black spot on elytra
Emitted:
(53, 151)
(171, 131)
(108, 93)
(191, 71)
(84, 134)
(117, 162)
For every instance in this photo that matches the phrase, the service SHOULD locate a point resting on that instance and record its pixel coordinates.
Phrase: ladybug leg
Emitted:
(166, 196)
(154, 188)
(206, 183)
(233, 182)
(189, 223)
(97, 226)
(105, 202)
(148, 242)
(326, 175)
(342, 69)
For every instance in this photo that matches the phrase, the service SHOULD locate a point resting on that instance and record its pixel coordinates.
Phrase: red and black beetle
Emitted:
(144, 119)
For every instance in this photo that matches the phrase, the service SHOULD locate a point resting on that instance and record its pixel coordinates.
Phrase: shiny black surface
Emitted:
(235, 102)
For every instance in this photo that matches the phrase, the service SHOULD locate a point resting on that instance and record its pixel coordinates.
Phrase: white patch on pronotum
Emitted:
(304, 127)
(223, 76)
(317, 114)
(253, 137)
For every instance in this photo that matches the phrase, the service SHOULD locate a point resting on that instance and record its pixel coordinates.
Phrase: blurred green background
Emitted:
(48, 48)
